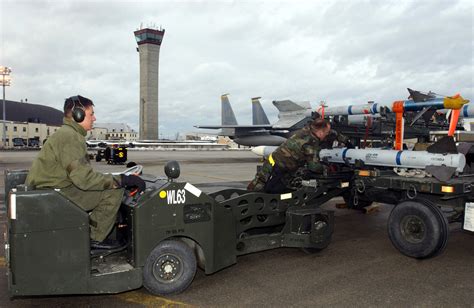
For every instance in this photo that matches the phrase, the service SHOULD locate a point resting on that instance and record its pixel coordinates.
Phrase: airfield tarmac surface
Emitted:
(359, 268)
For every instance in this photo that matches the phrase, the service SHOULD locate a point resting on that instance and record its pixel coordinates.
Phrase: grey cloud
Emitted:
(338, 51)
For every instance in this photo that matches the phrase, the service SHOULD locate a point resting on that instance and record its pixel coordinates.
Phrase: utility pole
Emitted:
(5, 81)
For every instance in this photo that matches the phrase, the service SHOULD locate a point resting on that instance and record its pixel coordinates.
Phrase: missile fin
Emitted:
(427, 116)
(464, 147)
(443, 146)
(442, 173)
(420, 114)
(417, 96)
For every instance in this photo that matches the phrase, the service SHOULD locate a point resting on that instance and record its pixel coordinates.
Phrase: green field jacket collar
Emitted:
(78, 128)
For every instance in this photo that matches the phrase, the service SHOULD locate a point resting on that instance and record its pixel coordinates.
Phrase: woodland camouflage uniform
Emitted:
(299, 151)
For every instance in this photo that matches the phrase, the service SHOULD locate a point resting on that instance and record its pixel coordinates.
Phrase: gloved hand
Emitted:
(349, 145)
(129, 181)
(332, 168)
(325, 170)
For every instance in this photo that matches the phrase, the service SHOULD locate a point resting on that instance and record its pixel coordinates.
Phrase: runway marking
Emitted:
(149, 301)
(210, 177)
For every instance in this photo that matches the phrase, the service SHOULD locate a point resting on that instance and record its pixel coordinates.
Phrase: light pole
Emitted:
(5, 82)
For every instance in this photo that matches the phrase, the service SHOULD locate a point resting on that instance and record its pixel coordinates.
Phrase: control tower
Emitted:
(149, 42)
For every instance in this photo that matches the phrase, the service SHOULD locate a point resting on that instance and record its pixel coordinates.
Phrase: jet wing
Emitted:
(240, 130)
(234, 126)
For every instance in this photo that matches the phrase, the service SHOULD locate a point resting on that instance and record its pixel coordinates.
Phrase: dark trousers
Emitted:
(277, 183)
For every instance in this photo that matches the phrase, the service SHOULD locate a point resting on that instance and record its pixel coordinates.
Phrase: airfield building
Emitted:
(28, 124)
(112, 131)
(31, 125)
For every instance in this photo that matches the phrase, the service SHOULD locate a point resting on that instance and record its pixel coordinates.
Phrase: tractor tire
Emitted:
(170, 268)
(306, 228)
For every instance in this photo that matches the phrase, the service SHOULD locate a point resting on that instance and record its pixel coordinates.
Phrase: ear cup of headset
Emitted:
(78, 114)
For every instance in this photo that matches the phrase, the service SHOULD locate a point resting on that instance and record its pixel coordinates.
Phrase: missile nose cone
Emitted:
(260, 150)
(264, 150)
(455, 102)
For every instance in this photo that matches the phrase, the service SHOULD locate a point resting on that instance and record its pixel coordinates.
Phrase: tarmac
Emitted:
(360, 268)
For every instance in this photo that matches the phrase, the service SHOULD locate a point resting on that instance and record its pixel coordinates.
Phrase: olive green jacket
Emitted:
(63, 161)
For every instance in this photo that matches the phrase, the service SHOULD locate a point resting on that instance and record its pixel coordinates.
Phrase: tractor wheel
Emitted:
(170, 268)
(321, 223)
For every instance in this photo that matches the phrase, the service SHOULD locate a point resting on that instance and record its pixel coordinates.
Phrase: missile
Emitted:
(264, 151)
(393, 158)
(385, 158)
(467, 111)
(455, 102)
(357, 119)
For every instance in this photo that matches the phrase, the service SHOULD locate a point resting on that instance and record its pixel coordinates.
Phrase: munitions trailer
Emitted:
(418, 225)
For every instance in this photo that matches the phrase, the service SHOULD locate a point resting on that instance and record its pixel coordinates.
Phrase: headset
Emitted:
(78, 112)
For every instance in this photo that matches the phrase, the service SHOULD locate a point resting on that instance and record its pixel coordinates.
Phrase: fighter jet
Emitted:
(292, 116)
(371, 121)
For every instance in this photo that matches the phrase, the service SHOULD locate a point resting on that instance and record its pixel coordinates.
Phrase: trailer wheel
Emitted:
(170, 268)
(418, 229)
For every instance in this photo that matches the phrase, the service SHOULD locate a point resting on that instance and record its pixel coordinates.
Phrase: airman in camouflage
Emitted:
(299, 151)
(63, 164)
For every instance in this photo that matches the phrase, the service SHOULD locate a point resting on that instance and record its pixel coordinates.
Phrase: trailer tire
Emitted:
(169, 268)
(418, 229)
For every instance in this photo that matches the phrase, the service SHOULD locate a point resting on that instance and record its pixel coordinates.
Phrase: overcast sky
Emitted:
(338, 51)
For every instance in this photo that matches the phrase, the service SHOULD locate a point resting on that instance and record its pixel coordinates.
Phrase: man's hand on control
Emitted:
(129, 181)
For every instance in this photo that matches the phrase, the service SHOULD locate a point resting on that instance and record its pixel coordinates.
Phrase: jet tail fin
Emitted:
(227, 114)
(259, 117)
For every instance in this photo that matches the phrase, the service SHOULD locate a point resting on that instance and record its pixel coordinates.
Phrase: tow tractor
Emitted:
(170, 230)
(112, 154)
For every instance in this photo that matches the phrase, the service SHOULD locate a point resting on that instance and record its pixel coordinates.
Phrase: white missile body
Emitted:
(393, 158)
(467, 111)
(264, 151)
